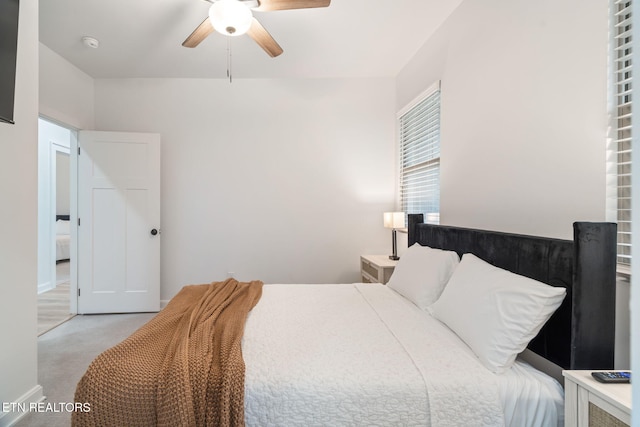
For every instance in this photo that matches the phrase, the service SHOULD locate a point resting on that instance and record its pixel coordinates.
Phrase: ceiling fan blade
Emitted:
(199, 34)
(261, 36)
(267, 5)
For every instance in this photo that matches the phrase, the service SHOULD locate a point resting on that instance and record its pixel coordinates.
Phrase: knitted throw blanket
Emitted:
(183, 368)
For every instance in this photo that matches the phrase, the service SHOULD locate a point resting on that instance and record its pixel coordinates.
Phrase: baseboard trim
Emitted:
(44, 287)
(8, 419)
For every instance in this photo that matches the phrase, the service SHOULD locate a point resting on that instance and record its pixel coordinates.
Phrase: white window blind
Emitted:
(622, 122)
(420, 156)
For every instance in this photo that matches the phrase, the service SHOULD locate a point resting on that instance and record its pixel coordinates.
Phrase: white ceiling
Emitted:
(142, 38)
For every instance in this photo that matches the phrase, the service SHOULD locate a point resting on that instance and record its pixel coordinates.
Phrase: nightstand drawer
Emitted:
(599, 417)
(376, 268)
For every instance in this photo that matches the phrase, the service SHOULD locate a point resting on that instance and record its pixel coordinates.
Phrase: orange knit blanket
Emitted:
(183, 368)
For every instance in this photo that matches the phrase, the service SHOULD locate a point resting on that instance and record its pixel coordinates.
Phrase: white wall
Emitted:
(524, 119)
(66, 93)
(282, 181)
(18, 259)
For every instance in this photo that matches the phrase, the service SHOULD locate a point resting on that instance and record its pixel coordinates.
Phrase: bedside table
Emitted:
(376, 268)
(588, 402)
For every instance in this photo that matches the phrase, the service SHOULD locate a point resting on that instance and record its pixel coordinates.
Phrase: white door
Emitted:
(119, 222)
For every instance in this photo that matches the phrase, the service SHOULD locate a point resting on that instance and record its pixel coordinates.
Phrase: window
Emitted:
(621, 137)
(419, 126)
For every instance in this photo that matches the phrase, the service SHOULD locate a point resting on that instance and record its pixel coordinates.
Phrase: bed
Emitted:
(63, 238)
(369, 354)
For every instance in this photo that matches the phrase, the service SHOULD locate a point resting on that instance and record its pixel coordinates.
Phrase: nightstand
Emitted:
(376, 268)
(588, 402)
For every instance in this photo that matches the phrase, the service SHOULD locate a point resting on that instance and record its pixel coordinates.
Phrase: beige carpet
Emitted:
(65, 353)
(53, 305)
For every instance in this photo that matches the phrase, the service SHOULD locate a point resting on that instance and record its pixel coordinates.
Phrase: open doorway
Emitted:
(55, 241)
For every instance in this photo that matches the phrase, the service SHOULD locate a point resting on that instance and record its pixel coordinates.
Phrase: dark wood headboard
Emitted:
(581, 333)
(63, 217)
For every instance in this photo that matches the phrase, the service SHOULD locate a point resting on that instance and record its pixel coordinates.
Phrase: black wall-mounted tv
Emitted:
(8, 53)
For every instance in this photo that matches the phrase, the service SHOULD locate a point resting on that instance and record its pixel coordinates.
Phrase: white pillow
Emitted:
(62, 227)
(421, 274)
(494, 311)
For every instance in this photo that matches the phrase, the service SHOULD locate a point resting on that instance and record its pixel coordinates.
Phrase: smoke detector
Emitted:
(90, 42)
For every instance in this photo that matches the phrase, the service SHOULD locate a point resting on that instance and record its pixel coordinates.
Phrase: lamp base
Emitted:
(394, 247)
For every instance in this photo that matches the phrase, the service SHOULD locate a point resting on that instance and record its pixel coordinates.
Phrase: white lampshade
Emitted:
(394, 219)
(230, 17)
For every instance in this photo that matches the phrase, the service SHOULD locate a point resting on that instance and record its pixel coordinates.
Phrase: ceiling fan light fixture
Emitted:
(230, 17)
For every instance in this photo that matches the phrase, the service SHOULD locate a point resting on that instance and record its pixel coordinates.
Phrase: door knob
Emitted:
(154, 232)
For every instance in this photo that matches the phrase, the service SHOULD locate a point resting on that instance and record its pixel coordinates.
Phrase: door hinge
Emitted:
(78, 291)
(78, 151)
(78, 222)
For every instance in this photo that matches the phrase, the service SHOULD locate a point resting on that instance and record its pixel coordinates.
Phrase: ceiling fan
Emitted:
(234, 18)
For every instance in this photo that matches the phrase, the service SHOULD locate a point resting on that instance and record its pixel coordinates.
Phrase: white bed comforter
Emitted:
(351, 355)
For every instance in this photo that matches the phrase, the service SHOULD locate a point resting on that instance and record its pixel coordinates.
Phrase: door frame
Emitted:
(54, 149)
(73, 217)
(73, 208)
